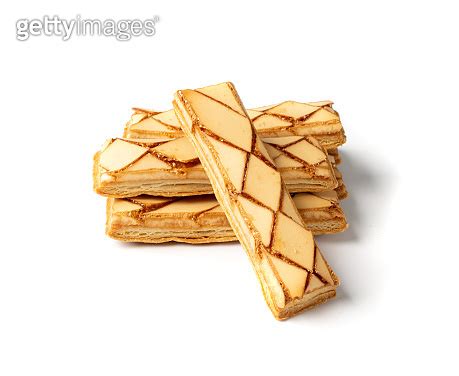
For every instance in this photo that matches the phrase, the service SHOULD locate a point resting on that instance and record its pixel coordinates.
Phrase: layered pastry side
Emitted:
(289, 118)
(334, 156)
(201, 219)
(293, 273)
(171, 167)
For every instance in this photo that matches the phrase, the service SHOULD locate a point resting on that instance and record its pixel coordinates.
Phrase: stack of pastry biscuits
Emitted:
(210, 171)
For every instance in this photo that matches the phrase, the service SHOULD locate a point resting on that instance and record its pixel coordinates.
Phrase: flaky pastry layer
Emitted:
(200, 219)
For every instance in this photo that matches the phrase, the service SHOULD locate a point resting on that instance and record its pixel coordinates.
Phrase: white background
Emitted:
(74, 302)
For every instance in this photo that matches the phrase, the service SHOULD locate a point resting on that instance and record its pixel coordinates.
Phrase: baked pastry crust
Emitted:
(200, 219)
(293, 273)
(171, 167)
(289, 118)
(334, 156)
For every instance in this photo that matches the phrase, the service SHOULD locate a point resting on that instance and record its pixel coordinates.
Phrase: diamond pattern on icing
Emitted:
(122, 206)
(260, 147)
(283, 161)
(266, 208)
(144, 155)
(288, 117)
(293, 277)
(322, 115)
(261, 217)
(321, 268)
(267, 121)
(298, 248)
(234, 171)
(168, 118)
(227, 124)
(150, 201)
(314, 283)
(259, 174)
(148, 162)
(293, 109)
(223, 97)
(179, 149)
(307, 152)
(120, 154)
(289, 209)
(196, 204)
(133, 159)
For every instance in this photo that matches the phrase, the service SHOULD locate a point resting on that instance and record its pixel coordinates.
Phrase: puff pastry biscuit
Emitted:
(200, 219)
(170, 167)
(292, 271)
(289, 118)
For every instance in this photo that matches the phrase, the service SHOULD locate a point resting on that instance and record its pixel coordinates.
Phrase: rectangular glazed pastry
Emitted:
(291, 269)
(289, 118)
(171, 167)
(200, 219)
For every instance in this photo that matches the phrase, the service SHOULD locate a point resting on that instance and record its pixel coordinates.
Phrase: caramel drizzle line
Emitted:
(306, 284)
(170, 126)
(215, 136)
(286, 145)
(276, 214)
(211, 134)
(310, 139)
(310, 166)
(254, 139)
(316, 273)
(255, 201)
(309, 274)
(224, 104)
(244, 175)
(150, 114)
(288, 297)
(228, 181)
(293, 127)
(291, 119)
(122, 169)
(173, 163)
(286, 259)
(206, 131)
(260, 155)
(228, 143)
(269, 249)
(325, 107)
(253, 150)
(147, 209)
(247, 159)
(144, 144)
(145, 111)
